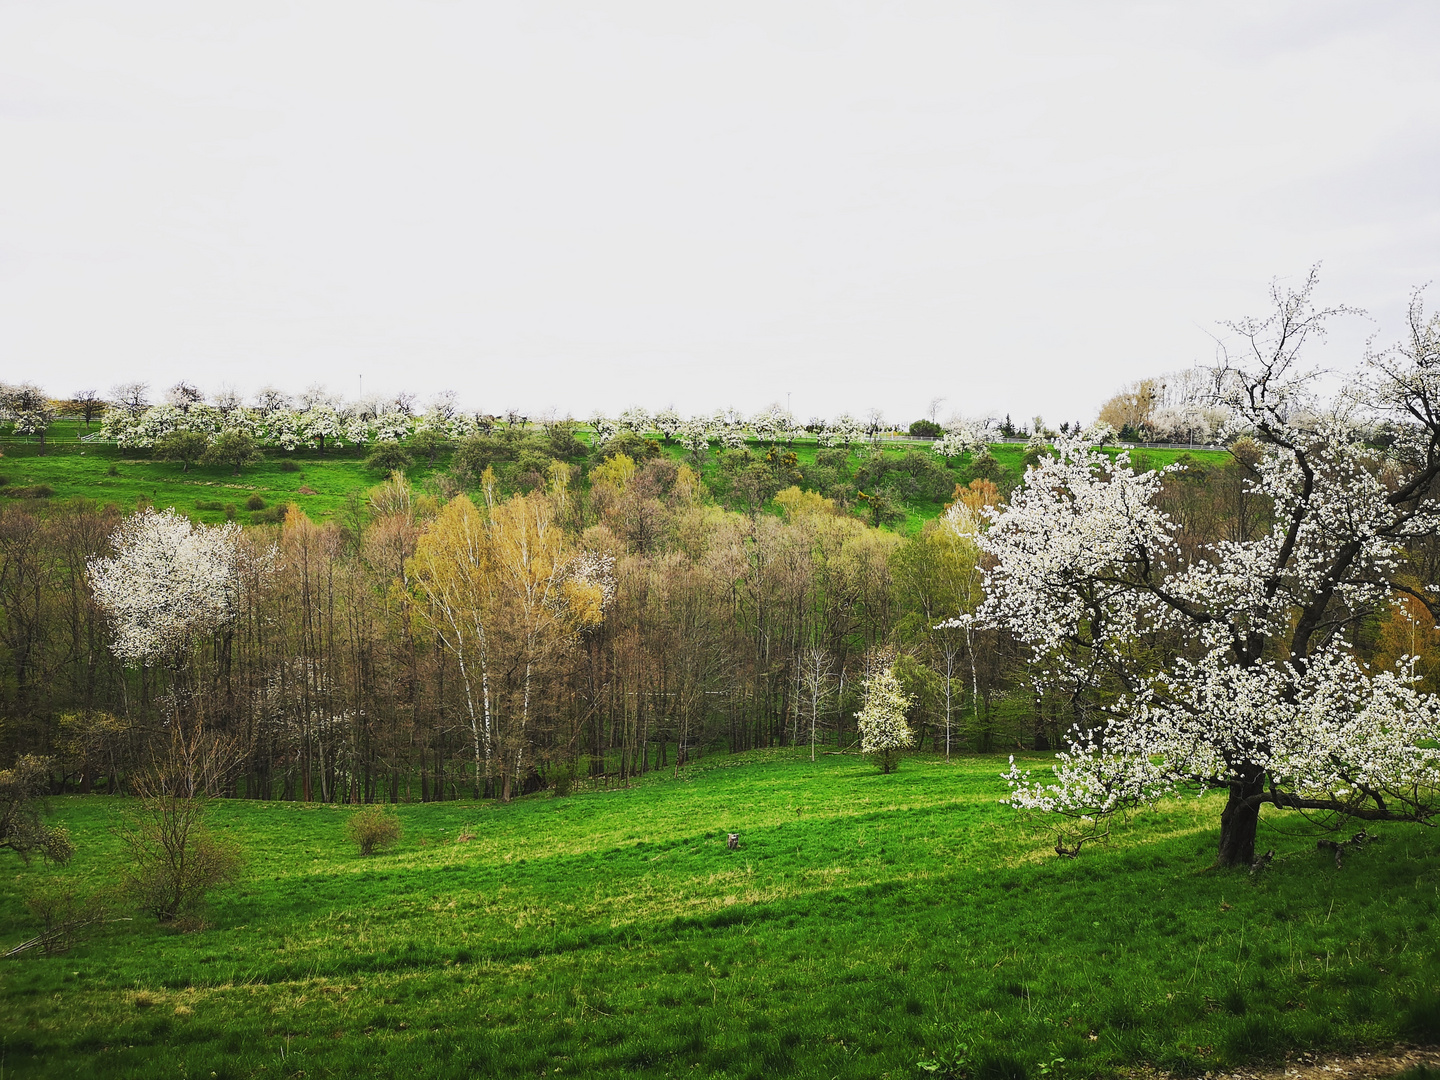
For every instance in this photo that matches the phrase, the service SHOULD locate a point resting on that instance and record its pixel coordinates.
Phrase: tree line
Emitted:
(611, 621)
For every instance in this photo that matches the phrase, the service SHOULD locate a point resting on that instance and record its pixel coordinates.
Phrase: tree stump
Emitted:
(733, 841)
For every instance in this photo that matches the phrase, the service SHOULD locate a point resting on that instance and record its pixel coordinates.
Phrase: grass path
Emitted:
(866, 923)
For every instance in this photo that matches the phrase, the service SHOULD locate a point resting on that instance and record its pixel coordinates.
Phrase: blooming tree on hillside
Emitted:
(28, 409)
(881, 720)
(168, 582)
(955, 443)
(1256, 689)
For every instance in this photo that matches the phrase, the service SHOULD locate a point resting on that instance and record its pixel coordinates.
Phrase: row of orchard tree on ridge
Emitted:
(187, 421)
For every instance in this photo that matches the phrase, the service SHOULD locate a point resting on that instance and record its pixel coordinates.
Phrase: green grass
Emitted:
(322, 484)
(866, 923)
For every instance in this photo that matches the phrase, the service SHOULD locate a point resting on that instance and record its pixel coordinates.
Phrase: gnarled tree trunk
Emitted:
(1239, 822)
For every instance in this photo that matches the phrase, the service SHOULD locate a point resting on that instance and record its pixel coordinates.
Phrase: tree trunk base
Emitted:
(1239, 822)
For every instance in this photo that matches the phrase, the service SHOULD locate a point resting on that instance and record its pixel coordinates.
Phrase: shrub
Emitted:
(289, 466)
(186, 447)
(564, 444)
(254, 502)
(388, 458)
(477, 453)
(22, 801)
(174, 860)
(234, 448)
(373, 828)
(65, 911)
(273, 516)
(631, 445)
(925, 429)
(31, 491)
(429, 442)
(564, 780)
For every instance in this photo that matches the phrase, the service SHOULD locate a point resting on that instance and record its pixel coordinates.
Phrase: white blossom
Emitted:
(668, 422)
(1264, 694)
(955, 443)
(168, 582)
(635, 419)
(881, 720)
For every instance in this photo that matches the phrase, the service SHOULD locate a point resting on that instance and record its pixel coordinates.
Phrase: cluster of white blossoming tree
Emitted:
(1230, 665)
(319, 419)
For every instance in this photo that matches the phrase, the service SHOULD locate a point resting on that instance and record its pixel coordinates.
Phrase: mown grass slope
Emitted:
(865, 924)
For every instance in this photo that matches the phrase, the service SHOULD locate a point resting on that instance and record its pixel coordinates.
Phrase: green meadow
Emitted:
(330, 484)
(865, 925)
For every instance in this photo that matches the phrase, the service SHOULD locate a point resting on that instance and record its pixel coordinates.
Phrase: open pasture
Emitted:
(866, 923)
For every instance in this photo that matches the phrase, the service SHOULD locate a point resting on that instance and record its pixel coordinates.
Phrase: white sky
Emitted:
(1014, 206)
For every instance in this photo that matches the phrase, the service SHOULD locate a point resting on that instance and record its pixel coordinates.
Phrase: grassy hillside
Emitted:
(323, 484)
(866, 923)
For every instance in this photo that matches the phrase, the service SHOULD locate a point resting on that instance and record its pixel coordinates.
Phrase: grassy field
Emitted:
(323, 484)
(867, 923)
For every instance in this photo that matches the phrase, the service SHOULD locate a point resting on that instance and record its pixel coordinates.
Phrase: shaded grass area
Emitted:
(866, 923)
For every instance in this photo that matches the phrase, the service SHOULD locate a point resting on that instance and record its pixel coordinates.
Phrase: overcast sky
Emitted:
(1013, 206)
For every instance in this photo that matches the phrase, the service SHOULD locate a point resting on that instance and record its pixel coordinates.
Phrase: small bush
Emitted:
(31, 491)
(373, 828)
(388, 458)
(175, 861)
(273, 516)
(22, 804)
(209, 504)
(564, 780)
(631, 445)
(112, 471)
(254, 502)
(286, 465)
(925, 429)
